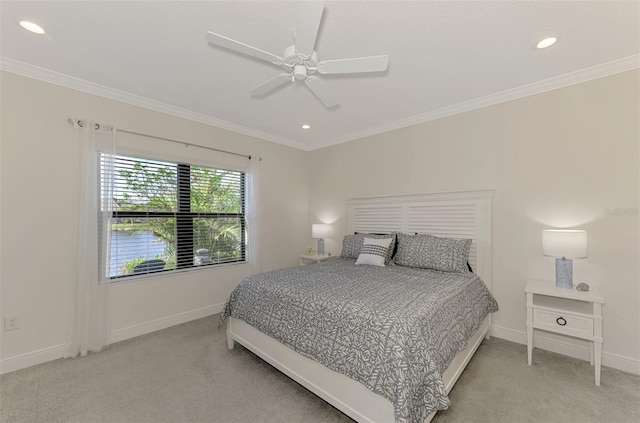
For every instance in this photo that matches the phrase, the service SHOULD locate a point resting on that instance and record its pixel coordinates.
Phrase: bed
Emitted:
(380, 343)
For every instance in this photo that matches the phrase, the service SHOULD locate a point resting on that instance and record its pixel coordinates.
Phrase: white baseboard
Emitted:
(164, 322)
(615, 361)
(33, 358)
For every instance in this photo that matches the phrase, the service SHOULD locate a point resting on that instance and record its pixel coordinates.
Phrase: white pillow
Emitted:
(374, 251)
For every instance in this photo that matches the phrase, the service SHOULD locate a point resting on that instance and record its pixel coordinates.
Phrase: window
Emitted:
(170, 216)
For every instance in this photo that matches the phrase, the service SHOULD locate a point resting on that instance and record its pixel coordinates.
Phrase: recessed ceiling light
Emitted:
(547, 42)
(30, 26)
(305, 126)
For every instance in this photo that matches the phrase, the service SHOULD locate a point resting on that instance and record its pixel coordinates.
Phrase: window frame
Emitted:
(184, 220)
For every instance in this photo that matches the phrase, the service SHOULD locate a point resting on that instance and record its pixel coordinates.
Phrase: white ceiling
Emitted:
(445, 57)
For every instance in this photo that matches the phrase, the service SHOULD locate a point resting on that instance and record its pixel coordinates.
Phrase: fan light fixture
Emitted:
(30, 26)
(305, 126)
(300, 61)
(547, 42)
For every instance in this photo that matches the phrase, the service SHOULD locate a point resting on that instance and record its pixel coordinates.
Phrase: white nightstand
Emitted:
(313, 258)
(567, 312)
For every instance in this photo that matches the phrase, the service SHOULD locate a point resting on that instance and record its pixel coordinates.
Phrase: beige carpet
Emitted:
(186, 374)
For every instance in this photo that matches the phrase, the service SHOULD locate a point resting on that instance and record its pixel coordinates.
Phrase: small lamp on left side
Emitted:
(320, 231)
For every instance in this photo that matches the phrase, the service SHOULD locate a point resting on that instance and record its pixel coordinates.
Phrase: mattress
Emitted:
(394, 329)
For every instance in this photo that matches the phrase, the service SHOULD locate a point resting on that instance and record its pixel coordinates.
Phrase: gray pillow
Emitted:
(352, 245)
(432, 252)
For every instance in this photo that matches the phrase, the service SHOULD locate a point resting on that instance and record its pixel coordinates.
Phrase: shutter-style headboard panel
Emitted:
(452, 215)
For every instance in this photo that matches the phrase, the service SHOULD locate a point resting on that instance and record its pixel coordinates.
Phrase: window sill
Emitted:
(171, 273)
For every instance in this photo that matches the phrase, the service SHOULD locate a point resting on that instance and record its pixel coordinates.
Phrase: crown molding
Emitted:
(63, 80)
(594, 72)
(561, 81)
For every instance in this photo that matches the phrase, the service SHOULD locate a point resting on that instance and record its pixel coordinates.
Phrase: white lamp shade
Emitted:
(320, 230)
(567, 243)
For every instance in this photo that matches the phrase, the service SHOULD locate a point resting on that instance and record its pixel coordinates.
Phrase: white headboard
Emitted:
(450, 214)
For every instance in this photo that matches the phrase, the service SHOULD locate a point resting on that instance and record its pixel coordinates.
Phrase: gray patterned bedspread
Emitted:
(394, 329)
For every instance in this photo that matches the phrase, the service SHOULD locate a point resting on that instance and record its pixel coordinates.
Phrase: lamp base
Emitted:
(321, 247)
(564, 273)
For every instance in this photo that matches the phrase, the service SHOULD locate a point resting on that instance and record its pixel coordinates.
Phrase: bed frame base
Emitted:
(345, 394)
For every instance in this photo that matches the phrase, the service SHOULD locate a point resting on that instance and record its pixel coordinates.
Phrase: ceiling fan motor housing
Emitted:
(292, 57)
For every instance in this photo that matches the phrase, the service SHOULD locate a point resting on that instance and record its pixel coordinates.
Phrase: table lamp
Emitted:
(320, 231)
(564, 244)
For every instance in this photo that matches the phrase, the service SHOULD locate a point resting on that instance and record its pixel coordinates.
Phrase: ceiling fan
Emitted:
(300, 60)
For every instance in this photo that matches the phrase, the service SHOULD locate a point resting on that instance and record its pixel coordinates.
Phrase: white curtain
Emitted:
(90, 321)
(253, 214)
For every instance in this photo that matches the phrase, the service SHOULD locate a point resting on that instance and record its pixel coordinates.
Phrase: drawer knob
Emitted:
(561, 321)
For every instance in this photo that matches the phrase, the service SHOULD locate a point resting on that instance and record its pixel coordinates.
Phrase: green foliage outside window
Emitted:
(145, 186)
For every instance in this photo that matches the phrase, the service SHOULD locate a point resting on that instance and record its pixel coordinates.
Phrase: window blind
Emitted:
(169, 216)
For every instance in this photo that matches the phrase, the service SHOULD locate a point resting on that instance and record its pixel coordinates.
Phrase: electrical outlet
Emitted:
(11, 323)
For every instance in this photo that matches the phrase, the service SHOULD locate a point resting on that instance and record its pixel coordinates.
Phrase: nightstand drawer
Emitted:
(562, 322)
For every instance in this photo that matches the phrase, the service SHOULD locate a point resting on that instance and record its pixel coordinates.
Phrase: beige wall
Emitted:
(558, 159)
(38, 202)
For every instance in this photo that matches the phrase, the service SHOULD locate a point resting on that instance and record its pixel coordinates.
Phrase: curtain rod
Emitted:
(186, 144)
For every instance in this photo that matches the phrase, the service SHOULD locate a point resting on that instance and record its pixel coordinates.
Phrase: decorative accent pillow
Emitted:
(374, 251)
(432, 252)
(352, 244)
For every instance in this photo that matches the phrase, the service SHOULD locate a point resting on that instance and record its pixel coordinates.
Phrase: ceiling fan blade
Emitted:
(354, 65)
(222, 41)
(271, 85)
(309, 17)
(319, 89)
